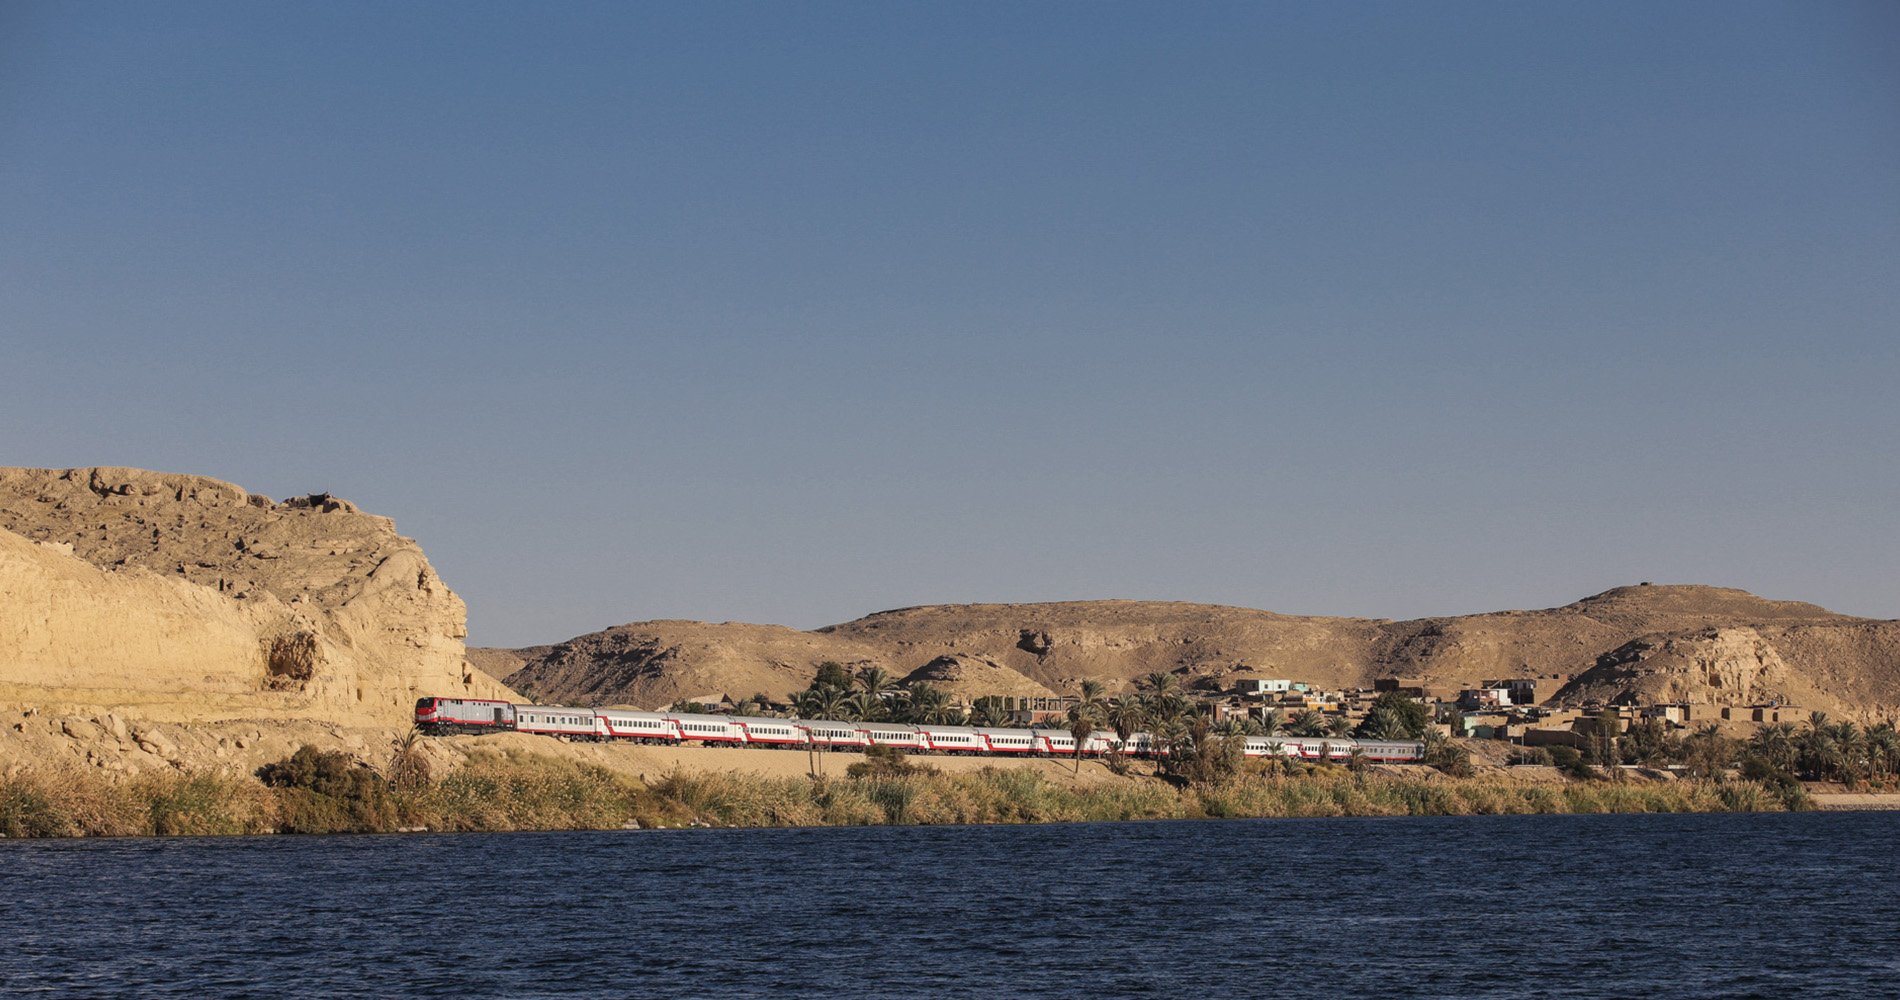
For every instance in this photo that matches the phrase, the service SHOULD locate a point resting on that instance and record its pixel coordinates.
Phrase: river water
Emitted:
(1654, 906)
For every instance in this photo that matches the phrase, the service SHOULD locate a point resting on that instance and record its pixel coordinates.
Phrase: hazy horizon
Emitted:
(789, 314)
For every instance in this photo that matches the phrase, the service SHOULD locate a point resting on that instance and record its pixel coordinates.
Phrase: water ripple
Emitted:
(1483, 907)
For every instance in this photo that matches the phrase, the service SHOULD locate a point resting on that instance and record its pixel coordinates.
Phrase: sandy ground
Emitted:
(115, 748)
(37, 743)
(1856, 800)
(650, 763)
(119, 749)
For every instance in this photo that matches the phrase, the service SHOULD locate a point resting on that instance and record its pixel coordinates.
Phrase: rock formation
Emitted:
(972, 677)
(657, 663)
(139, 595)
(181, 598)
(1719, 665)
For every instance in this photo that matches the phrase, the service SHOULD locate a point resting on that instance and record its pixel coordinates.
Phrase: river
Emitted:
(1657, 906)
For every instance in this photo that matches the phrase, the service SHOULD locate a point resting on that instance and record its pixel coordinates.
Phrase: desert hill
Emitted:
(1708, 644)
(183, 598)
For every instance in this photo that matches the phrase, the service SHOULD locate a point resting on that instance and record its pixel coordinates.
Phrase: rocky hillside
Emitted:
(1706, 644)
(181, 598)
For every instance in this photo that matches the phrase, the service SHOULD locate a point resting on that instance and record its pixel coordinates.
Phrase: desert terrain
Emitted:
(1702, 644)
(156, 622)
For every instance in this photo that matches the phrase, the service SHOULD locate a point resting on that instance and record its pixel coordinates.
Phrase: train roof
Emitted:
(696, 717)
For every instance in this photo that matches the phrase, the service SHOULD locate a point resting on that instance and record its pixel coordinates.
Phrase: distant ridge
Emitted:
(1714, 645)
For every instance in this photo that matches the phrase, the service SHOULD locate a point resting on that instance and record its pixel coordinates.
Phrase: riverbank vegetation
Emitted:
(1779, 755)
(329, 792)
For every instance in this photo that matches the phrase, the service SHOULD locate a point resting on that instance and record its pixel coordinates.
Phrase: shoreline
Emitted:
(506, 788)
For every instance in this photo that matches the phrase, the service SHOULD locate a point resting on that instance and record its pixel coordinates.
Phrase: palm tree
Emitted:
(1883, 749)
(1852, 744)
(821, 702)
(1161, 682)
(1339, 726)
(1273, 723)
(1126, 716)
(1775, 744)
(990, 712)
(1832, 750)
(1291, 762)
(1818, 754)
(1167, 707)
(408, 766)
(928, 704)
(1308, 723)
(1444, 753)
(947, 715)
(865, 707)
(876, 680)
(1081, 727)
(1648, 743)
(1170, 733)
(753, 706)
(1383, 724)
(1092, 691)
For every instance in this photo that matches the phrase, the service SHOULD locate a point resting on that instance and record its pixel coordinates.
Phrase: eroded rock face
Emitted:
(183, 597)
(1716, 666)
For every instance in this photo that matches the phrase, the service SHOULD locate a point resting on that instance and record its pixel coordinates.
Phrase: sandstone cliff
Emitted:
(179, 598)
(1705, 644)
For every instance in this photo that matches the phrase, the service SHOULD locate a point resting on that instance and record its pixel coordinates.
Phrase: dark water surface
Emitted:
(1775, 905)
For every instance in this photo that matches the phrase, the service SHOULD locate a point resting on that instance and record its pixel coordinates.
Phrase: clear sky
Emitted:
(791, 312)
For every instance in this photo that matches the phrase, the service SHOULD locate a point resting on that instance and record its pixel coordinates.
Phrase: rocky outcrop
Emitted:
(176, 597)
(1659, 637)
(972, 677)
(1734, 666)
(654, 664)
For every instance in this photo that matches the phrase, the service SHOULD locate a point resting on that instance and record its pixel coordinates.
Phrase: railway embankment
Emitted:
(80, 777)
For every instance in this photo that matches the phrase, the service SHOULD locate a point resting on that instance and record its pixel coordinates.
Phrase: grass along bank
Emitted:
(511, 789)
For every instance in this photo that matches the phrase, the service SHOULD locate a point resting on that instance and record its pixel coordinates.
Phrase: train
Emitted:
(457, 716)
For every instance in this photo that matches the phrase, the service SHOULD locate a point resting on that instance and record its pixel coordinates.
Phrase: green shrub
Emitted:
(1572, 762)
(1202, 758)
(328, 792)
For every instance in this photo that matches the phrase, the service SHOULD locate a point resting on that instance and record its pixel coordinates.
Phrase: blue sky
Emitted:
(793, 312)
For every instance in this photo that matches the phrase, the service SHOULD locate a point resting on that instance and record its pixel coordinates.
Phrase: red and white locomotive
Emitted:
(460, 716)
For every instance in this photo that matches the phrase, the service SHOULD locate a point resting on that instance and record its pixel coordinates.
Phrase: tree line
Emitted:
(1818, 750)
(1196, 746)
